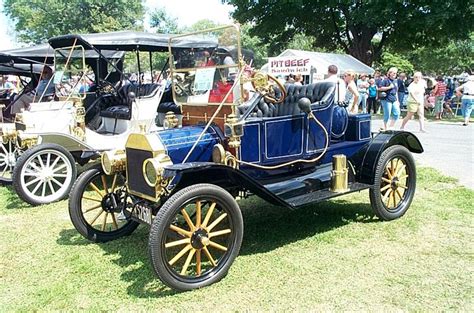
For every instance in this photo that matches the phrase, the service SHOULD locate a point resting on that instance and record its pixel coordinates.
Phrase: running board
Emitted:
(323, 194)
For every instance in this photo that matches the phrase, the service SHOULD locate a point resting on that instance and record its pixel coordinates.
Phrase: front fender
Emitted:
(232, 180)
(365, 160)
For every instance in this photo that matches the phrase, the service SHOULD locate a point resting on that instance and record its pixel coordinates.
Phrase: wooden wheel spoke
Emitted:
(96, 217)
(388, 172)
(91, 199)
(400, 170)
(198, 262)
(114, 183)
(392, 197)
(187, 262)
(180, 254)
(385, 187)
(114, 221)
(217, 246)
(209, 256)
(209, 214)
(399, 194)
(198, 214)
(403, 177)
(216, 221)
(180, 230)
(104, 183)
(219, 233)
(96, 189)
(386, 195)
(402, 186)
(104, 223)
(177, 242)
(95, 207)
(188, 219)
(386, 180)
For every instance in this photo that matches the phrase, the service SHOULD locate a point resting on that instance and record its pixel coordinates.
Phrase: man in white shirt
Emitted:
(340, 94)
(467, 92)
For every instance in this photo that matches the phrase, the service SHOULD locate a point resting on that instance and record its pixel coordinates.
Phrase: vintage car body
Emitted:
(290, 145)
(84, 124)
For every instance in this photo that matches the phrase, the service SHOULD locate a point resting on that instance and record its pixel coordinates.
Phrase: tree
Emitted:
(451, 59)
(390, 59)
(38, 20)
(360, 28)
(163, 23)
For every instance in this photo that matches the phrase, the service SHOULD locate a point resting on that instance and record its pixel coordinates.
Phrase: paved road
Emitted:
(449, 147)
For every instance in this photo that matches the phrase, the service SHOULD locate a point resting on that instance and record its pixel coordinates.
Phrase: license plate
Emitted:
(142, 213)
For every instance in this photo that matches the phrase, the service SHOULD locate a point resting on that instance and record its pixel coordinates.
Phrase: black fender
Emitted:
(232, 180)
(365, 160)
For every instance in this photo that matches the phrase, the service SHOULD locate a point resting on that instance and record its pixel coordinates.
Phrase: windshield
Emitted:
(204, 76)
(71, 78)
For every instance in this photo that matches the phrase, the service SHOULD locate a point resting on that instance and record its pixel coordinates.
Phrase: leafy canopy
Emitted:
(38, 20)
(360, 28)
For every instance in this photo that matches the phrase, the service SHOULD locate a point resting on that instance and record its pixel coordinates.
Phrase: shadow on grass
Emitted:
(13, 201)
(266, 228)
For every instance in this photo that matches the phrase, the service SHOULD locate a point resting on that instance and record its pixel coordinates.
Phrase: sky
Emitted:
(186, 11)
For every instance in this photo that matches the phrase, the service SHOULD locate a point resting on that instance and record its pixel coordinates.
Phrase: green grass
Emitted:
(331, 256)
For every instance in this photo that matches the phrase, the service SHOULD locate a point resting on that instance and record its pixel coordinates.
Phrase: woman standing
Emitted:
(467, 90)
(352, 95)
(416, 92)
(390, 104)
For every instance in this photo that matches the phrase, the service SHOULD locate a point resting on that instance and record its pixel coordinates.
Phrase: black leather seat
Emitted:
(316, 92)
(118, 106)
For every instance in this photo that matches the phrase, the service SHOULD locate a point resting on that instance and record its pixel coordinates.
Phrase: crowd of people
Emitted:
(390, 93)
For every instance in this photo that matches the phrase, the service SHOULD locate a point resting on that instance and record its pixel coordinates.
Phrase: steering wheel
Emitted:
(261, 83)
(105, 87)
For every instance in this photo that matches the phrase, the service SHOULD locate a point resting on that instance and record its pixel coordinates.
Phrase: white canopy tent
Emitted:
(319, 62)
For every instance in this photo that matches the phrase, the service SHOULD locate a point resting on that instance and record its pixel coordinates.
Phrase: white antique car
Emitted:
(81, 125)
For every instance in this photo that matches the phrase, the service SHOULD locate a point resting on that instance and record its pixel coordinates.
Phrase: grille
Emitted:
(136, 181)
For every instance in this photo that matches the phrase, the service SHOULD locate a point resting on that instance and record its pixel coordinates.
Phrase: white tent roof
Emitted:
(321, 61)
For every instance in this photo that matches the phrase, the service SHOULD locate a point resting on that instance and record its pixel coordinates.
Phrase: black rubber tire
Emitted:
(164, 218)
(375, 194)
(77, 217)
(17, 183)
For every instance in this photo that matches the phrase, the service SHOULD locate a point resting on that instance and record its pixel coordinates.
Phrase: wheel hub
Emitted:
(395, 182)
(110, 203)
(46, 174)
(200, 239)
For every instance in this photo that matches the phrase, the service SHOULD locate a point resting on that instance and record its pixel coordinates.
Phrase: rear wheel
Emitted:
(195, 237)
(97, 204)
(44, 174)
(394, 183)
(9, 153)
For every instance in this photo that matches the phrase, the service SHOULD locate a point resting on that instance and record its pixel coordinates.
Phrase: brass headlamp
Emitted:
(153, 169)
(113, 161)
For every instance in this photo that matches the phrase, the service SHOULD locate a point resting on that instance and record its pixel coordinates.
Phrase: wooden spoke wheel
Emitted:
(44, 174)
(195, 237)
(394, 183)
(9, 153)
(99, 205)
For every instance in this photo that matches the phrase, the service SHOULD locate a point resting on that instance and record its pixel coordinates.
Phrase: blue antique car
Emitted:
(236, 135)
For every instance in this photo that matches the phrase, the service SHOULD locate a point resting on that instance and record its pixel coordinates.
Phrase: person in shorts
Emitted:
(415, 102)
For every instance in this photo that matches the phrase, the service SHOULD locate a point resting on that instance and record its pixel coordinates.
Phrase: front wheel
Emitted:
(9, 153)
(195, 237)
(394, 183)
(97, 204)
(44, 174)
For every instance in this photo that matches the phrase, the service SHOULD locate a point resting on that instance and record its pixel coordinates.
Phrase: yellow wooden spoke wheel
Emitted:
(99, 206)
(195, 237)
(394, 183)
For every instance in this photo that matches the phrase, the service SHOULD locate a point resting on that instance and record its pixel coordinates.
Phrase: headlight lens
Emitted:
(113, 161)
(153, 169)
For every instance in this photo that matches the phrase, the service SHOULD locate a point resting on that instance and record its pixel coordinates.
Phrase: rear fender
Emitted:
(365, 160)
(230, 179)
